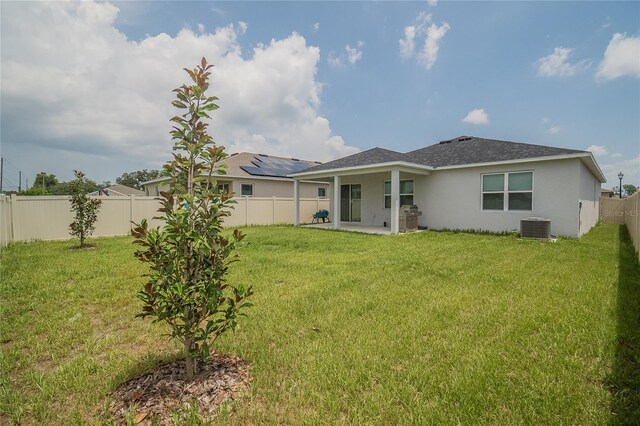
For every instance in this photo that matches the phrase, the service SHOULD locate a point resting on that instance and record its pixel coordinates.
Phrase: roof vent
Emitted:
(295, 159)
(464, 138)
(535, 227)
(263, 155)
(235, 153)
(443, 142)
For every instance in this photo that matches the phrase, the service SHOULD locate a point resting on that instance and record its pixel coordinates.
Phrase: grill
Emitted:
(409, 218)
(535, 227)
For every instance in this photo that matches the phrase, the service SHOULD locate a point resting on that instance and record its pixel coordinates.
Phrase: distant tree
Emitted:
(135, 179)
(33, 191)
(629, 189)
(48, 180)
(84, 208)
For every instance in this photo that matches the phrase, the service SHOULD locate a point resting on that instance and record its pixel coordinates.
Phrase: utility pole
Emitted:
(1, 172)
(20, 181)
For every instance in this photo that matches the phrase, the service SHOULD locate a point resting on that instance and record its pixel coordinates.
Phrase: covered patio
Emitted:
(352, 228)
(366, 198)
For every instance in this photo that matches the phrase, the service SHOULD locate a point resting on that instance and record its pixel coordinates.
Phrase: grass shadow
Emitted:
(625, 379)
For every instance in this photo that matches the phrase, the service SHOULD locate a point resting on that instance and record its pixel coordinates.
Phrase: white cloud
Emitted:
(554, 130)
(95, 93)
(431, 47)
(351, 55)
(597, 149)
(316, 26)
(433, 35)
(335, 61)
(432, 3)
(407, 43)
(616, 155)
(556, 64)
(629, 167)
(477, 116)
(200, 28)
(621, 58)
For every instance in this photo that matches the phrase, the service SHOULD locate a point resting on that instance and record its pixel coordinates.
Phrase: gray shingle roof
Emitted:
(364, 158)
(470, 150)
(458, 151)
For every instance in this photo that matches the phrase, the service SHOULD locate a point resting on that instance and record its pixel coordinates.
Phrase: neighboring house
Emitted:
(466, 183)
(606, 193)
(117, 190)
(258, 175)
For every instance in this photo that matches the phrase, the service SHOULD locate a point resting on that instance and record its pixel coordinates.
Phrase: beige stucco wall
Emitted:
(261, 187)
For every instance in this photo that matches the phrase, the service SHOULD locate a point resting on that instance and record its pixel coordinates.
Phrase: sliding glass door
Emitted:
(350, 203)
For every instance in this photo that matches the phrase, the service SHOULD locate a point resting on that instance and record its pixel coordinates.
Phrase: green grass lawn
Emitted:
(427, 328)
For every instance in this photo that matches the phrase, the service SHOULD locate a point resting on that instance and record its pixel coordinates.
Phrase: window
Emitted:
(406, 193)
(246, 190)
(224, 187)
(515, 188)
(322, 192)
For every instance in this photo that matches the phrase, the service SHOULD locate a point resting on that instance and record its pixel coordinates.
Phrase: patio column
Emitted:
(395, 201)
(296, 200)
(336, 202)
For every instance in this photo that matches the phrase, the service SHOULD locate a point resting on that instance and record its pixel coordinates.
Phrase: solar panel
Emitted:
(275, 167)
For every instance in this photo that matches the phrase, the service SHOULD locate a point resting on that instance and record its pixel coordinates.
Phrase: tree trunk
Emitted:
(189, 360)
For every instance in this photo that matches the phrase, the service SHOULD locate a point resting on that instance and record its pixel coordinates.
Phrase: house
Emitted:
(607, 193)
(466, 183)
(258, 175)
(117, 190)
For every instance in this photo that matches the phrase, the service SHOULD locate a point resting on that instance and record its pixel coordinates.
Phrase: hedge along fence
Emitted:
(623, 211)
(28, 218)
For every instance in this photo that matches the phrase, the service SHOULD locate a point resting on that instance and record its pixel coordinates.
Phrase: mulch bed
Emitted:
(156, 394)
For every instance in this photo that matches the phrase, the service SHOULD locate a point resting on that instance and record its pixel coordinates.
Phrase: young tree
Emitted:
(84, 208)
(189, 256)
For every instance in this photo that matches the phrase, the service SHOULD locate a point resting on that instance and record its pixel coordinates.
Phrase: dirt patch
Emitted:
(156, 394)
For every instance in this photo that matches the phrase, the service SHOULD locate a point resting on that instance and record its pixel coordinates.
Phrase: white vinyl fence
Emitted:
(28, 218)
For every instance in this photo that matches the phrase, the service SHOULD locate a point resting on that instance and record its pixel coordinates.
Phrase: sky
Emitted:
(88, 85)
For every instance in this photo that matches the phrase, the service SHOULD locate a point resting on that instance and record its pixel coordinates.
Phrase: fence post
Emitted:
(12, 207)
(273, 222)
(131, 209)
(246, 211)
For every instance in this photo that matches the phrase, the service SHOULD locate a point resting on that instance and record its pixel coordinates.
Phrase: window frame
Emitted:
(252, 189)
(223, 185)
(505, 191)
(385, 195)
(323, 189)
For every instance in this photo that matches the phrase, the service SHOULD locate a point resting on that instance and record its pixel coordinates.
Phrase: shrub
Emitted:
(189, 256)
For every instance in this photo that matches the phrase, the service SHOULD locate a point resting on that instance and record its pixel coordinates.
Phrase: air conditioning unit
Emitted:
(535, 227)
